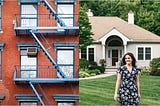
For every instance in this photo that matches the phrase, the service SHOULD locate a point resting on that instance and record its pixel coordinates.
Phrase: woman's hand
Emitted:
(139, 96)
(115, 96)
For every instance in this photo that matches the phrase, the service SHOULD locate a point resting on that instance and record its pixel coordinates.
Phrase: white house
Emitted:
(113, 37)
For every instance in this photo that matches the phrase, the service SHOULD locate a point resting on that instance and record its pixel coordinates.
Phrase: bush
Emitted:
(145, 71)
(155, 66)
(100, 68)
(92, 63)
(83, 74)
(84, 63)
(94, 72)
(155, 63)
(155, 72)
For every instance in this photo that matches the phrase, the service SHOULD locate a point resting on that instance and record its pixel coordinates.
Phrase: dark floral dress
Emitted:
(128, 93)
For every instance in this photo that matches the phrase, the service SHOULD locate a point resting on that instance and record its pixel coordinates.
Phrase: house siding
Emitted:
(154, 54)
(11, 57)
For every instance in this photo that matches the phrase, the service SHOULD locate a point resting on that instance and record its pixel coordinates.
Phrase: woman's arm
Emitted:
(138, 86)
(117, 86)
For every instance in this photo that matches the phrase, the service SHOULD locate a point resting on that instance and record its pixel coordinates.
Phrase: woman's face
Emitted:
(128, 60)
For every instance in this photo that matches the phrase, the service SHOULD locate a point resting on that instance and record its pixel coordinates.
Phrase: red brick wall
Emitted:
(11, 57)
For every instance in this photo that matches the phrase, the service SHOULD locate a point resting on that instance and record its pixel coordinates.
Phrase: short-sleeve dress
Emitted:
(128, 92)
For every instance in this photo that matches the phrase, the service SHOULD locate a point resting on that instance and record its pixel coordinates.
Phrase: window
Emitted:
(144, 53)
(91, 54)
(109, 53)
(28, 103)
(0, 65)
(28, 65)
(83, 54)
(65, 59)
(147, 53)
(65, 12)
(28, 15)
(0, 17)
(66, 103)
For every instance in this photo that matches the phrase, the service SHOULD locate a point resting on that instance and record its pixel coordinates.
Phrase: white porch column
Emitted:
(103, 51)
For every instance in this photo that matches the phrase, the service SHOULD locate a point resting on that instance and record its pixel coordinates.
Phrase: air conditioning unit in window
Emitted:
(32, 51)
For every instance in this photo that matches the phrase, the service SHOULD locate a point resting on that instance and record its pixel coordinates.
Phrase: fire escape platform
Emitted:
(47, 30)
(46, 80)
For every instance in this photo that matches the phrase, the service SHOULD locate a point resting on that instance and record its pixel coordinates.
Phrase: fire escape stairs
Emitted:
(36, 93)
(60, 21)
(47, 54)
(50, 9)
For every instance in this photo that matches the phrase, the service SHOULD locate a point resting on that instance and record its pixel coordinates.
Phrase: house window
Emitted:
(144, 53)
(66, 103)
(28, 65)
(91, 54)
(0, 17)
(0, 65)
(84, 53)
(65, 59)
(65, 12)
(28, 104)
(147, 53)
(28, 15)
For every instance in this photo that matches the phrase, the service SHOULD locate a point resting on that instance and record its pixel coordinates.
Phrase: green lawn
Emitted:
(100, 91)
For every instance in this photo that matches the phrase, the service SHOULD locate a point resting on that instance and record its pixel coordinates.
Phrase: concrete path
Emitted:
(105, 74)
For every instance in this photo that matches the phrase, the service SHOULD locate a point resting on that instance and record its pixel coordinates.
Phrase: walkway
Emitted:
(105, 74)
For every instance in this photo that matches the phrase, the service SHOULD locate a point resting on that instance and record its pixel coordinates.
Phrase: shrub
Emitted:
(145, 71)
(84, 63)
(101, 68)
(155, 72)
(155, 66)
(92, 63)
(83, 74)
(94, 72)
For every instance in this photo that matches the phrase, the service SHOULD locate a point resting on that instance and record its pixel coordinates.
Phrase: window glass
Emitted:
(28, 15)
(140, 53)
(28, 103)
(65, 11)
(0, 66)
(65, 61)
(66, 104)
(84, 54)
(148, 53)
(28, 65)
(65, 57)
(0, 18)
(91, 54)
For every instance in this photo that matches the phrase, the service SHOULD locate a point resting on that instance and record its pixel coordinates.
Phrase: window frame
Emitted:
(144, 53)
(23, 17)
(0, 16)
(28, 102)
(28, 69)
(74, 104)
(0, 64)
(67, 17)
(93, 54)
(61, 65)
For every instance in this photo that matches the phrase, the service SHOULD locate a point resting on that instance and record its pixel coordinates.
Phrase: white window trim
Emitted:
(144, 57)
(94, 52)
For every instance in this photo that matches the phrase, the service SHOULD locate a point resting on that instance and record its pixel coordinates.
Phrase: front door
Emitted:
(114, 57)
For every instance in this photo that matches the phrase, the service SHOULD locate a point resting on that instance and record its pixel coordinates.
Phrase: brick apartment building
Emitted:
(39, 52)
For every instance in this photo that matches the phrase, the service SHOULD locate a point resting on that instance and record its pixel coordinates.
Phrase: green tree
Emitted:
(85, 29)
(146, 12)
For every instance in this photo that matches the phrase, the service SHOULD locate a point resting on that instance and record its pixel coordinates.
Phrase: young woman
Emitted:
(128, 82)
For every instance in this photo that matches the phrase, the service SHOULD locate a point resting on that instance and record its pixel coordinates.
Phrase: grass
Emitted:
(99, 92)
